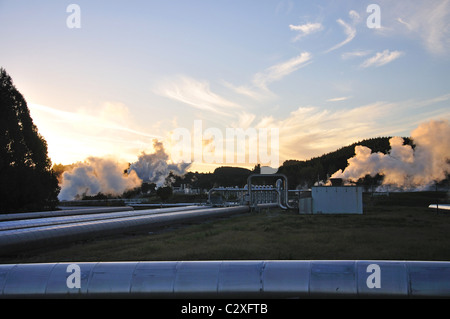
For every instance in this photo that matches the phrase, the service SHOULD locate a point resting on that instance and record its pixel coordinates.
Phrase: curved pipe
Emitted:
(279, 200)
(285, 184)
(232, 279)
(35, 237)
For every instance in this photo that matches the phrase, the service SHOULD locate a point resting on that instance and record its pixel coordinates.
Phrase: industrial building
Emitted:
(335, 199)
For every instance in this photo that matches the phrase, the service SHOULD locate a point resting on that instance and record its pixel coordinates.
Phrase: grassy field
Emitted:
(385, 231)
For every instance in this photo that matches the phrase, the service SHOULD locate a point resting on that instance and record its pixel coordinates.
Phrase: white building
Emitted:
(333, 200)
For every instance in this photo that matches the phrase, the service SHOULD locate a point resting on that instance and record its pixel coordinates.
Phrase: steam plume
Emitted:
(107, 176)
(96, 175)
(405, 167)
(155, 167)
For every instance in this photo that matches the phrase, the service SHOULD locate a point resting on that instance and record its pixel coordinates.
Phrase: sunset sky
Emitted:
(137, 70)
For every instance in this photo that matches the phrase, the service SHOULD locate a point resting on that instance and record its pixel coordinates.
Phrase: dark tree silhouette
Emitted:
(27, 181)
(164, 192)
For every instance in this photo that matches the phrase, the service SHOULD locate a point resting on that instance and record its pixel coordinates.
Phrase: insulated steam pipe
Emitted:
(230, 279)
(67, 212)
(36, 222)
(35, 237)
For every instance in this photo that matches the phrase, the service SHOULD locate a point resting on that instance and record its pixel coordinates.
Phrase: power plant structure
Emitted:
(163, 279)
(35, 230)
(332, 199)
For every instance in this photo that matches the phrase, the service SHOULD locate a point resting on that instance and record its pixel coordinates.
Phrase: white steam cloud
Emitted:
(96, 175)
(404, 167)
(154, 168)
(110, 177)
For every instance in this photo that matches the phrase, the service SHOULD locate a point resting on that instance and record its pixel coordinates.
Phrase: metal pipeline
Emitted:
(51, 221)
(35, 237)
(285, 188)
(67, 212)
(226, 190)
(228, 279)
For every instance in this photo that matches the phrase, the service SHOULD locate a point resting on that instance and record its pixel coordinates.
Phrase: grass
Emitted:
(383, 232)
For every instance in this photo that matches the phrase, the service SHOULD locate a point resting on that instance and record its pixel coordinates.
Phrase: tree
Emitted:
(27, 181)
(148, 188)
(164, 192)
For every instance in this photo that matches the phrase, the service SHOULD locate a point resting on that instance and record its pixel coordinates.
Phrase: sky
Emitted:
(322, 73)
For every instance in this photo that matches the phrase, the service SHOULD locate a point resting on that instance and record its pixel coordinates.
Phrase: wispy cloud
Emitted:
(433, 25)
(400, 20)
(349, 30)
(253, 93)
(382, 58)
(258, 88)
(425, 21)
(285, 7)
(305, 29)
(354, 15)
(312, 130)
(111, 116)
(108, 129)
(339, 99)
(196, 94)
(279, 71)
(355, 54)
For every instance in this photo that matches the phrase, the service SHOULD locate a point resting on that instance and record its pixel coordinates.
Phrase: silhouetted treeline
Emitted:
(27, 181)
(221, 177)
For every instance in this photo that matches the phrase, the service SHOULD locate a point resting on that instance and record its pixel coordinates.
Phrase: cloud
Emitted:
(433, 26)
(400, 20)
(196, 94)
(279, 71)
(252, 93)
(109, 129)
(311, 131)
(339, 99)
(354, 15)
(349, 30)
(110, 116)
(258, 89)
(355, 54)
(382, 58)
(285, 7)
(425, 21)
(305, 29)
(246, 119)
